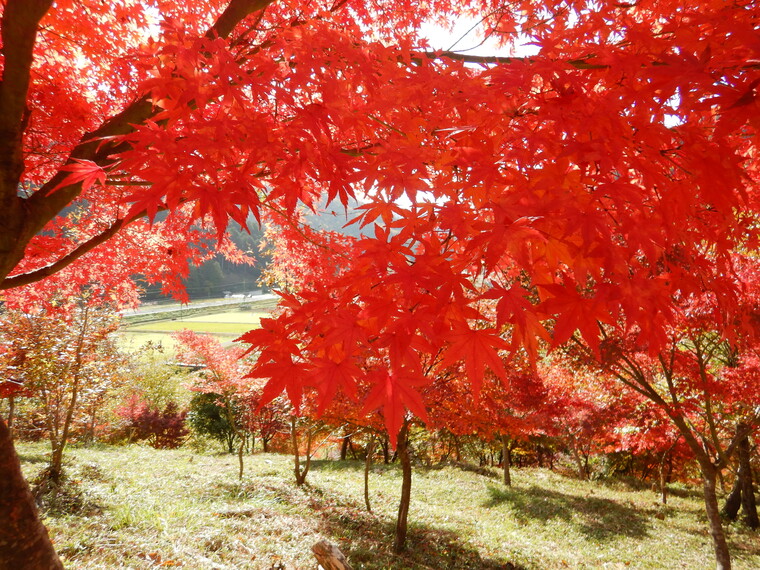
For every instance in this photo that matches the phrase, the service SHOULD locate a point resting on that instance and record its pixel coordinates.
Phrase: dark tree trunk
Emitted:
(743, 492)
(749, 506)
(506, 459)
(11, 410)
(665, 473)
(402, 448)
(386, 450)
(709, 480)
(24, 541)
(241, 449)
(367, 465)
(733, 501)
(344, 447)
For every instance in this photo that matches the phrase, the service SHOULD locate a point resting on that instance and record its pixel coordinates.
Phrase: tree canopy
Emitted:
(507, 200)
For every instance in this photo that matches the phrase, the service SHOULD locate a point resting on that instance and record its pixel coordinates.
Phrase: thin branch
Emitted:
(68, 259)
(581, 63)
(101, 143)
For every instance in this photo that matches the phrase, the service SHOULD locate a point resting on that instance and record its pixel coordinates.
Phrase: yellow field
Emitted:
(225, 326)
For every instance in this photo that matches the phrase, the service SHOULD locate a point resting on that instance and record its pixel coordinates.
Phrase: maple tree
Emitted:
(703, 380)
(220, 371)
(594, 181)
(66, 360)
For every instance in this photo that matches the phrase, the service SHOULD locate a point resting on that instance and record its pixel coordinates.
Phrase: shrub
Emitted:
(161, 429)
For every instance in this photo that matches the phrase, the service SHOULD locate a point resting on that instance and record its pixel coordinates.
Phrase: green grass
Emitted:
(145, 508)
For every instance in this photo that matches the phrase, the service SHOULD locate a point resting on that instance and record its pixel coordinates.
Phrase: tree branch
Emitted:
(583, 63)
(45, 204)
(68, 259)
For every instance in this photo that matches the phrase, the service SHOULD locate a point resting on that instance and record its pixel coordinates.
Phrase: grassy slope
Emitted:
(146, 509)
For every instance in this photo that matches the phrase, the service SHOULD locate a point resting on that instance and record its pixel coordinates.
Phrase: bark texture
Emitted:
(329, 556)
(399, 542)
(24, 541)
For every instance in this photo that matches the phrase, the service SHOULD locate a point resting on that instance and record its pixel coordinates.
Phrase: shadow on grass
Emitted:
(33, 457)
(367, 540)
(333, 465)
(597, 518)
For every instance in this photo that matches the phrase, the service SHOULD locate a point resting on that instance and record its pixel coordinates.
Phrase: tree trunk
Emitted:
(241, 448)
(299, 472)
(733, 501)
(402, 448)
(344, 447)
(367, 465)
(505, 459)
(386, 451)
(665, 474)
(743, 492)
(11, 410)
(709, 479)
(24, 541)
(749, 506)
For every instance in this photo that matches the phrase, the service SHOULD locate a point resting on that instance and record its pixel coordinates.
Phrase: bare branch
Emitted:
(584, 63)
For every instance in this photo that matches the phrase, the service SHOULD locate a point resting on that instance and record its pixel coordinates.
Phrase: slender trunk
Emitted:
(665, 475)
(344, 447)
(299, 472)
(402, 448)
(24, 541)
(91, 429)
(367, 465)
(505, 452)
(709, 480)
(582, 474)
(11, 410)
(236, 433)
(56, 462)
(241, 449)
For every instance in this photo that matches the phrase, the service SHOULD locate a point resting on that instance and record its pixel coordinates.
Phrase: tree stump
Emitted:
(329, 556)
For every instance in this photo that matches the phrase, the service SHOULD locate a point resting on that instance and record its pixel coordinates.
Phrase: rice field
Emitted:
(225, 326)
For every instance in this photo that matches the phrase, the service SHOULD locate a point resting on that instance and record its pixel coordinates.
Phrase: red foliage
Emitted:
(162, 429)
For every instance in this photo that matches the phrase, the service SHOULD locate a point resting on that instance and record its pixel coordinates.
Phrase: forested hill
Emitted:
(219, 277)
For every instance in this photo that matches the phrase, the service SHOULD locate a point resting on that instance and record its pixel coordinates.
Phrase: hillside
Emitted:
(135, 507)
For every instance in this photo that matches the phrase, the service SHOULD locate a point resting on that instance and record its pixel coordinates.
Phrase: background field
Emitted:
(226, 326)
(141, 508)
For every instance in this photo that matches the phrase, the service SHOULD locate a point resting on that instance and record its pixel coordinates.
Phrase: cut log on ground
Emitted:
(329, 556)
